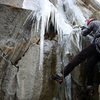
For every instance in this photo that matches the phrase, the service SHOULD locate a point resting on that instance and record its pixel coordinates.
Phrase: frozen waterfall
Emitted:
(62, 17)
(43, 11)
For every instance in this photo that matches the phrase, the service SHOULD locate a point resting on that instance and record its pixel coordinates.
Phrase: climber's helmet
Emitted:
(90, 21)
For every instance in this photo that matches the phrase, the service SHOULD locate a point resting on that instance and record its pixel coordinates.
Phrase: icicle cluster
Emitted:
(43, 11)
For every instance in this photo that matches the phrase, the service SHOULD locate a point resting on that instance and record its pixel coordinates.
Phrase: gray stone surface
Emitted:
(15, 3)
(21, 78)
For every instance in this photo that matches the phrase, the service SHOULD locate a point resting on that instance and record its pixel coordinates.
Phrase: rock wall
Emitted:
(92, 3)
(21, 78)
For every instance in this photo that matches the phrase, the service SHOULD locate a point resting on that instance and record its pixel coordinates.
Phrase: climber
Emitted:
(92, 52)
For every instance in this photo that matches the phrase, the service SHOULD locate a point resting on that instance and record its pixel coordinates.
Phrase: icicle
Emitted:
(42, 43)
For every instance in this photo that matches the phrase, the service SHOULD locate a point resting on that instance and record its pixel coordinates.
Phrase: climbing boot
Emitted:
(57, 78)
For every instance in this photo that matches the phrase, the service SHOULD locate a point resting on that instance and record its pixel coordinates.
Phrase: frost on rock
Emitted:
(42, 13)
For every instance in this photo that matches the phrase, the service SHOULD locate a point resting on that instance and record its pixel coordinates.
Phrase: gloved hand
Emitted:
(83, 27)
(90, 90)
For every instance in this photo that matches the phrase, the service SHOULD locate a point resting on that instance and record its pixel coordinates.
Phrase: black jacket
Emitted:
(92, 29)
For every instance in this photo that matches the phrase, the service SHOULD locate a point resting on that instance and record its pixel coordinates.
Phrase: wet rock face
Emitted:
(20, 77)
(34, 83)
(93, 3)
(12, 33)
(12, 48)
(15, 3)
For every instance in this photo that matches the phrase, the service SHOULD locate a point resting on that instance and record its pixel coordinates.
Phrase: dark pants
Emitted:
(94, 57)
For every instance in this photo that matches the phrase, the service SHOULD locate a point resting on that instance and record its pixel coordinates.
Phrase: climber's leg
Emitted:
(85, 53)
